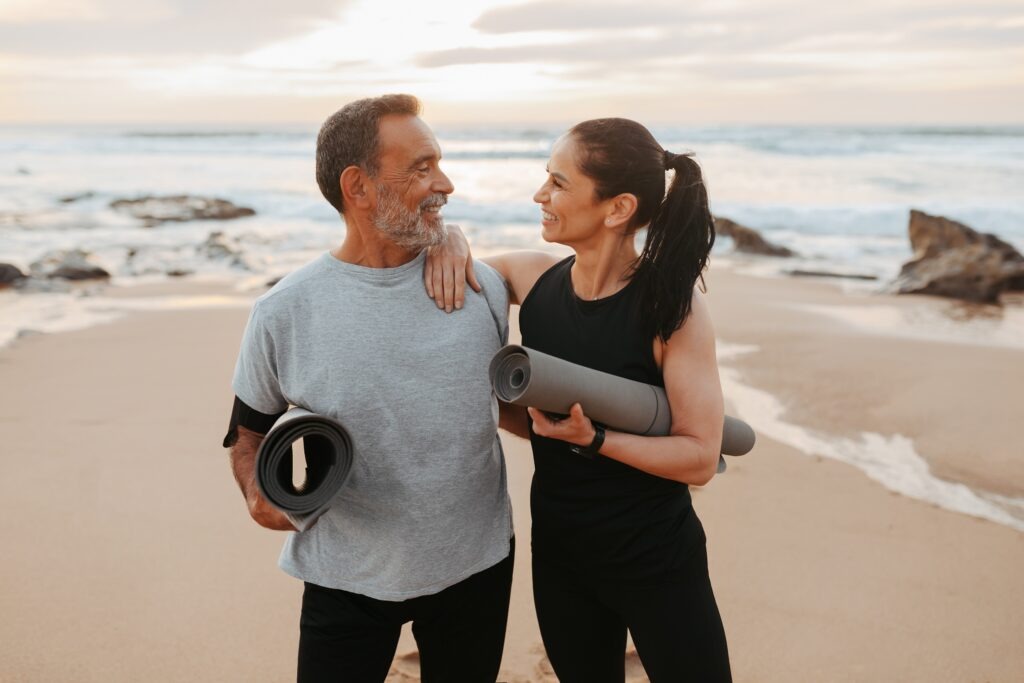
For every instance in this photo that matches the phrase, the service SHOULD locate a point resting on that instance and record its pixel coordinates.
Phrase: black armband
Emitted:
(250, 418)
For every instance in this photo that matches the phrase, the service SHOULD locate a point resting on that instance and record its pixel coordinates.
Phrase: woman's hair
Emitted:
(621, 156)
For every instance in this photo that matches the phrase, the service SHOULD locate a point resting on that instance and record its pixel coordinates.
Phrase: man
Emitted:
(421, 531)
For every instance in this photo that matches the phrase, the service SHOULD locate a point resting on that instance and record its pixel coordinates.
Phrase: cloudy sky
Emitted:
(700, 61)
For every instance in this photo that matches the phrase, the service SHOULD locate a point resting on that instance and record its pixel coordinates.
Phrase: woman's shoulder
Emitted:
(522, 269)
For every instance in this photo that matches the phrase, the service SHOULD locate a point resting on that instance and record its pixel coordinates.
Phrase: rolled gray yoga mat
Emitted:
(525, 377)
(328, 450)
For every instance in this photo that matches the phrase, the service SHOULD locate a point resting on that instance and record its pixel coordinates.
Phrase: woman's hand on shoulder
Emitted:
(447, 269)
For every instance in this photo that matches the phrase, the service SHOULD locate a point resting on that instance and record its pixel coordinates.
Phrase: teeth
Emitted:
(548, 216)
(432, 209)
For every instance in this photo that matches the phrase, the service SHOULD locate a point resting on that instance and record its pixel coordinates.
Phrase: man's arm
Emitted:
(513, 419)
(243, 466)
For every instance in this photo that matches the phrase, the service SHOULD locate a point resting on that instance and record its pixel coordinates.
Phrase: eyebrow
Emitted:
(557, 175)
(424, 158)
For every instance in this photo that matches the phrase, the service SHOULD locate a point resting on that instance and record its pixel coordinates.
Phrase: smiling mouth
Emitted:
(548, 216)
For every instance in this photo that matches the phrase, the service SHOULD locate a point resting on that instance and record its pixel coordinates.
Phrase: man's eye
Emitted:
(423, 169)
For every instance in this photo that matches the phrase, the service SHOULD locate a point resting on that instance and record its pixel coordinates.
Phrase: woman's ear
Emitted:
(621, 210)
(356, 188)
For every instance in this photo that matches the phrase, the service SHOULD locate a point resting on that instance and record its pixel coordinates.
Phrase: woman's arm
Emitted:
(690, 453)
(521, 270)
(449, 267)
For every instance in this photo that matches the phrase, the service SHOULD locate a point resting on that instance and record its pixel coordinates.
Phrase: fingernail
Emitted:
(458, 305)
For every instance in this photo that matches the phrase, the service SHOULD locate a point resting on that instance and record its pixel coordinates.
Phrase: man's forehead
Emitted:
(406, 137)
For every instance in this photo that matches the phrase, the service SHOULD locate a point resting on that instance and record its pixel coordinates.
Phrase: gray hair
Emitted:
(350, 137)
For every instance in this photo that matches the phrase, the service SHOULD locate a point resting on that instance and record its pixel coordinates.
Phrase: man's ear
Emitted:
(621, 210)
(356, 188)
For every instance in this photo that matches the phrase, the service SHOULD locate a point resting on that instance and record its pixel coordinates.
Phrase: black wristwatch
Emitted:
(595, 445)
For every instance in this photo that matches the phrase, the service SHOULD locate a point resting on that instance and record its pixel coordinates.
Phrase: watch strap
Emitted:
(595, 446)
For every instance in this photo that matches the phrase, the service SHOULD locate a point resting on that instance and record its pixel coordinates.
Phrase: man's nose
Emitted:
(443, 183)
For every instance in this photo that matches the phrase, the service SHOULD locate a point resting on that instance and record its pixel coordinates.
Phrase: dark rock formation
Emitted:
(953, 260)
(10, 275)
(76, 197)
(67, 265)
(156, 210)
(217, 248)
(826, 273)
(749, 240)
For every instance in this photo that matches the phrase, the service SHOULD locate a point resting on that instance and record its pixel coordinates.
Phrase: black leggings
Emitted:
(460, 632)
(675, 626)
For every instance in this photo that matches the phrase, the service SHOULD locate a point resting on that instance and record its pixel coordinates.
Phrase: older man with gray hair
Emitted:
(422, 529)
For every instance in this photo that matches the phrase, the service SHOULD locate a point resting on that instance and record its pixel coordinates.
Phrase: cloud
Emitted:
(154, 27)
(769, 15)
(542, 15)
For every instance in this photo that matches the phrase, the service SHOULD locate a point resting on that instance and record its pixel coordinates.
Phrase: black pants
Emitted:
(350, 638)
(675, 625)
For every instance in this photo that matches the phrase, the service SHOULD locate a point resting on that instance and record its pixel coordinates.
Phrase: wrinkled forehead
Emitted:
(406, 141)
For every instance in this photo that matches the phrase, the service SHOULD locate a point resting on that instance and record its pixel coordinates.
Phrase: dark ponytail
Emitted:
(621, 156)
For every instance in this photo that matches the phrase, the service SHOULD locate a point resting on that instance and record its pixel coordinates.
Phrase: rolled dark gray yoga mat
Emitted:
(525, 377)
(328, 450)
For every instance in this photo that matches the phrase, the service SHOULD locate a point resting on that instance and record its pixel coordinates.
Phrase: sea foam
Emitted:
(891, 460)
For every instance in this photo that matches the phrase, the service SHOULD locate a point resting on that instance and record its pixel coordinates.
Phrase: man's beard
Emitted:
(409, 229)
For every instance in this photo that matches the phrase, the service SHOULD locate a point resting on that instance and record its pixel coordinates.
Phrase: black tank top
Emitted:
(600, 515)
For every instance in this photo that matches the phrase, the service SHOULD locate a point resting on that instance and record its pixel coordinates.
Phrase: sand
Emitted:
(128, 554)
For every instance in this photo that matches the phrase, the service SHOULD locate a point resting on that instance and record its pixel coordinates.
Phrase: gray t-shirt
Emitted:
(426, 504)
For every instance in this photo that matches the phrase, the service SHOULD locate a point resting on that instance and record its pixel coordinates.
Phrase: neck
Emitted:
(602, 269)
(365, 246)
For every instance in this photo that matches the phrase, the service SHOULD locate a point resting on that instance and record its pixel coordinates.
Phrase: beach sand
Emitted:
(128, 553)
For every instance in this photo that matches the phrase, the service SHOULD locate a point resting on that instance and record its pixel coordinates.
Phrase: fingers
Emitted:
(471, 277)
(449, 289)
(437, 280)
(460, 288)
(576, 428)
(428, 277)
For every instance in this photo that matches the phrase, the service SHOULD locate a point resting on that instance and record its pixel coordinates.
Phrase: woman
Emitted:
(616, 543)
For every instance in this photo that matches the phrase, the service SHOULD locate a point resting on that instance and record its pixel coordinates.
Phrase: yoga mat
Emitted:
(525, 377)
(328, 450)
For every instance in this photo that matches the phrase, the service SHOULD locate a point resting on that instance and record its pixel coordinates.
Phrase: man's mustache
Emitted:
(433, 201)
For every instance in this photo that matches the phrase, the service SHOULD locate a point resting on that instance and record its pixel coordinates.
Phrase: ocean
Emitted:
(838, 196)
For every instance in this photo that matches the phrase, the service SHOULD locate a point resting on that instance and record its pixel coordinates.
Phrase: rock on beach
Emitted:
(956, 261)
(73, 264)
(154, 210)
(10, 274)
(749, 240)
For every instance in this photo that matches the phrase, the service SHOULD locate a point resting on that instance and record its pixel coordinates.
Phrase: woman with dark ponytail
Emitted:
(617, 545)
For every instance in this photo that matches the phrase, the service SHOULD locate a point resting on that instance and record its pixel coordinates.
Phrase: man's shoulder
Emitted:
(294, 285)
(495, 287)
